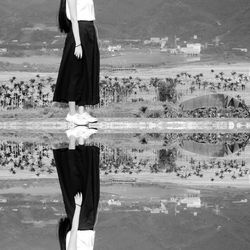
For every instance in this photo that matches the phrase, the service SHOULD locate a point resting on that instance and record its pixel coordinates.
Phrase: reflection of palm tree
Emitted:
(192, 89)
(192, 161)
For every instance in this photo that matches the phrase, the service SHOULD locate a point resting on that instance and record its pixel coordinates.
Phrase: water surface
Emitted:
(158, 191)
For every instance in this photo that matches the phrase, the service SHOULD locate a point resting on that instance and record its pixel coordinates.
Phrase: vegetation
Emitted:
(38, 92)
(38, 157)
(167, 90)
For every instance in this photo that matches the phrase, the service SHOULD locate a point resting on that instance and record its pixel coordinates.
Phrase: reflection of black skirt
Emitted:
(78, 79)
(78, 171)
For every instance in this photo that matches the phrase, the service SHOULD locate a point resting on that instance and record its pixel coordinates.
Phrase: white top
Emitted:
(85, 239)
(85, 10)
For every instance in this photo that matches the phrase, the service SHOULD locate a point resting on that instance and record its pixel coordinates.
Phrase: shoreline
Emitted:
(147, 72)
(131, 125)
(147, 179)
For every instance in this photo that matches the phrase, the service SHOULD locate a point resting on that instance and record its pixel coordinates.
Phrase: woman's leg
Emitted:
(81, 140)
(72, 116)
(82, 109)
(72, 142)
(72, 108)
(83, 112)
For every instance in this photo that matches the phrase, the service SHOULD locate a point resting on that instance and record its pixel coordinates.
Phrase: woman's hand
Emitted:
(78, 199)
(78, 52)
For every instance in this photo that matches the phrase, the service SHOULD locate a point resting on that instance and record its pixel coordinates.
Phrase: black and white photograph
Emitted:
(124, 125)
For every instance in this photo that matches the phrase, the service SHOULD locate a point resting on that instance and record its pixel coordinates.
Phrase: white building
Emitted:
(43, 50)
(173, 51)
(25, 44)
(114, 48)
(114, 202)
(105, 41)
(3, 51)
(164, 41)
(155, 40)
(191, 49)
(240, 49)
(147, 42)
(163, 44)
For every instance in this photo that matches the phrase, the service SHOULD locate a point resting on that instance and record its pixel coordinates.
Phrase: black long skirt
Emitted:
(78, 171)
(78, 79)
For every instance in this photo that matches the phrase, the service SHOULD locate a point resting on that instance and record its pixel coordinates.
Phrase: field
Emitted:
(125, 58)
(144, 57)
(142, 72)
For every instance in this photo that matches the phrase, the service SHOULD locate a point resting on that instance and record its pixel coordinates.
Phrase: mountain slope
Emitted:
(140, 18)
(236, 32)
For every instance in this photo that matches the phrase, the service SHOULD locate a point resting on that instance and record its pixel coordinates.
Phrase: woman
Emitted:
(78, 78)
(78, 172)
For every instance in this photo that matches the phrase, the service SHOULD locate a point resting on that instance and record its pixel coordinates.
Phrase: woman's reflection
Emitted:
(78, 172)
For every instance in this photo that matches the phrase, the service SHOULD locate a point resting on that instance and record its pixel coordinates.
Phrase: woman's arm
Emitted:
(75, 26)
(73, 234)
(75, 223)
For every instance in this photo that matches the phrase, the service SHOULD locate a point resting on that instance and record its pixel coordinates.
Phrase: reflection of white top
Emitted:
(85, 239)
(85, 10)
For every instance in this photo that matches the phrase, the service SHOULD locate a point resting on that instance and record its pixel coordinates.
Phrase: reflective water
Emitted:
(157, 191)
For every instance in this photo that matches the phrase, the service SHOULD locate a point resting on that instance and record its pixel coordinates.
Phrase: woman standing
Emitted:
(78, 78)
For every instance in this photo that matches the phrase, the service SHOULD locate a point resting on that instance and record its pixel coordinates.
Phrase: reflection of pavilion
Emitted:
(220, 149)
(197, 157)
(215, 157)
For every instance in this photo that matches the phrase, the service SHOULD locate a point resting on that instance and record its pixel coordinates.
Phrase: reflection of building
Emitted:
(162, 209)
(191, 199)
(173, 51)
(192, 202)
(217, 41)
(216, 210)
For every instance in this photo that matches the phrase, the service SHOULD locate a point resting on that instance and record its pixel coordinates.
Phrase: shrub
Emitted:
(167, 90)
(154, 114)
(163, 91)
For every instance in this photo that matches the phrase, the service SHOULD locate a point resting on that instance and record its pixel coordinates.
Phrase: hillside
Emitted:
(237, 29)
(141, 18)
